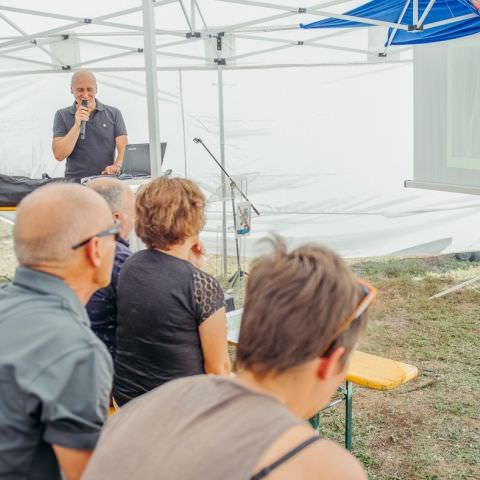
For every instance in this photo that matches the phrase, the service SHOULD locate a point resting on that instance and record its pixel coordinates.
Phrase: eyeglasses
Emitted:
(113, 230)
(368, 292)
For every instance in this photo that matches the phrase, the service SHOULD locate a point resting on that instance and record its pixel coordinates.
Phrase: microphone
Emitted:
(83, 123)
(197, 140)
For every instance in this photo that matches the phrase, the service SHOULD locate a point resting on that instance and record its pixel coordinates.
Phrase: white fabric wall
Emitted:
(447, 112)
(323, 151)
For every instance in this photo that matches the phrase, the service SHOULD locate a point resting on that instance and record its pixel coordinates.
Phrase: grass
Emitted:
(428, 428)
(7, 257)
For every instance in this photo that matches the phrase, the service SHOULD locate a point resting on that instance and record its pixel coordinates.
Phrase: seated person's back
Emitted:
(171, 319)
(55, 374)
(303, 314)
(162, 300)
(102, 306)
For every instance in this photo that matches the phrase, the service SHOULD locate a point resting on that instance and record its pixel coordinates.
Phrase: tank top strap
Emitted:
(268, 469)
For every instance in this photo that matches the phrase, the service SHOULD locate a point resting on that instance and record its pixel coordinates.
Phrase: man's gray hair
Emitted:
(112, 193)
(112, 190)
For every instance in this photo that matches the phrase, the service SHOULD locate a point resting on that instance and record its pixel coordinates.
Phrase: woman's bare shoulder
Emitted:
(322, 459)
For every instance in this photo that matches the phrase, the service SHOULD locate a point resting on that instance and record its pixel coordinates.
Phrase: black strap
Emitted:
(265, 471)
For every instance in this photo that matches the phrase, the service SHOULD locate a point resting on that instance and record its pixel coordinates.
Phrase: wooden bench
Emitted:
(365, 370)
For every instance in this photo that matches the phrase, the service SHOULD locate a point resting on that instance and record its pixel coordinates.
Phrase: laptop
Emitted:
(136, 162)
(137, 159)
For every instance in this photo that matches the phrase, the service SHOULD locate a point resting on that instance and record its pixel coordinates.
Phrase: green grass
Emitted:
(428, 428)
(7, 257)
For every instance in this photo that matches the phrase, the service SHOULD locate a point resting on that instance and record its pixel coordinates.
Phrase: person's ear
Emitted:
(93, 252)
(332, 365)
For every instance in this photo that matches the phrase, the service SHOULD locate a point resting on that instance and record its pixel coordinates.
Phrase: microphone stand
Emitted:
(233, 186)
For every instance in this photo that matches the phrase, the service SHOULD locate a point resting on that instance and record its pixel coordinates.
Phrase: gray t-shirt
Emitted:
(91, 155)
(201, 427)
(55, 376)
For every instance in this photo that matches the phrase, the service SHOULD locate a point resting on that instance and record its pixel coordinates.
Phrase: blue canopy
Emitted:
(392, 11)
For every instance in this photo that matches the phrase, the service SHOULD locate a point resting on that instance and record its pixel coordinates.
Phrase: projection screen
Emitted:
(447, 116)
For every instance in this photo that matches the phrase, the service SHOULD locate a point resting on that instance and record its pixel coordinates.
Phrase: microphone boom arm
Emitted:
(232, 181)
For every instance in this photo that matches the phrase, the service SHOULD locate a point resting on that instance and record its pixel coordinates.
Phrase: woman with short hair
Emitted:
(171, 315)
(304, 313)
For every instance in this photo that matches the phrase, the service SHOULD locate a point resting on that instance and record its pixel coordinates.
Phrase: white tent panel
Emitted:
(322, 151)
(447, 114)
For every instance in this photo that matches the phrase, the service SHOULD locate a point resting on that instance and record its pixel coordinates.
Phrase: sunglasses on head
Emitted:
(113, 230)
(368, 293)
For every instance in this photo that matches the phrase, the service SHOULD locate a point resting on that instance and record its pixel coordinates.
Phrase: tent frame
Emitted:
(10, 46)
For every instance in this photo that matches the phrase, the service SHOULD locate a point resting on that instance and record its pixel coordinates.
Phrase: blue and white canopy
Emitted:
(411, 21)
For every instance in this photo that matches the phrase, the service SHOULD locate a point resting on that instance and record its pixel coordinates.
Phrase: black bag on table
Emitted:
(13, 189)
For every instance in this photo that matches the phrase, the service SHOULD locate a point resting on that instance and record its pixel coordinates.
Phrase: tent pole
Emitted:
(180, 85)
(415, 12)
(426, 12)
(223, 178)
(400, 18)
(152, 89)
(192, 15)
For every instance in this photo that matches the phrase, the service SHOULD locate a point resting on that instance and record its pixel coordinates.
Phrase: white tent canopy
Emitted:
(316, 126)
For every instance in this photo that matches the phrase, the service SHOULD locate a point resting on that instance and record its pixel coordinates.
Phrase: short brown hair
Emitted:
(295, 306)
(168, 211)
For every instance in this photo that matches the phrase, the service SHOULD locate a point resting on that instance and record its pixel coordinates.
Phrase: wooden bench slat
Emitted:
(378, 373)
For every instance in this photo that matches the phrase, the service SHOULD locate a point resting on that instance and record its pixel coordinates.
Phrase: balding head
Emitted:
(83, 75)
(84, 87)
(53, 218)
(120, 199)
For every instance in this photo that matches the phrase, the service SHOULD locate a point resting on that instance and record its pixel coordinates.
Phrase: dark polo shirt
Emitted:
(91, 155)
(55, 376)
(102, 306)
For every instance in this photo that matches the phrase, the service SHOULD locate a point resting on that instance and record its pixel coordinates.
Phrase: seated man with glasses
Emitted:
(303, 315)
(55, 374)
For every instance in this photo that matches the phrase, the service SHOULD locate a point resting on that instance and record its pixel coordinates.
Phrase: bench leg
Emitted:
(348, 415)
(315, 422)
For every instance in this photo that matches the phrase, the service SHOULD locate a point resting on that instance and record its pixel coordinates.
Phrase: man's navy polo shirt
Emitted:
(91, 155)
(102, 306)
(55, 376)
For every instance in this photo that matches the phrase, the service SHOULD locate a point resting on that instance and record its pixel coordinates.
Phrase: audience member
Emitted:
(303, 314)
(55, 374)
(102, 307)
(171, 317)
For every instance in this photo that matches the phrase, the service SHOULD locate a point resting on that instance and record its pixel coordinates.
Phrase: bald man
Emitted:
(102, 307)
(105, 132)
(55, 374)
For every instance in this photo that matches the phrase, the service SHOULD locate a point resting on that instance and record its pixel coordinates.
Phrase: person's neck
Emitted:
(287, 389)
(82, 288)
(181, 250)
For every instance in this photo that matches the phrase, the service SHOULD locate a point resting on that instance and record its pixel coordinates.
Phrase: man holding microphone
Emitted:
(104, 132)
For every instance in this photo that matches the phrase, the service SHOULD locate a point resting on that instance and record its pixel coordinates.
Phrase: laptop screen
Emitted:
(137, 159)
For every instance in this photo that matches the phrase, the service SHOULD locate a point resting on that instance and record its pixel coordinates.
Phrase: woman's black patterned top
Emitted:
(162, 300)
